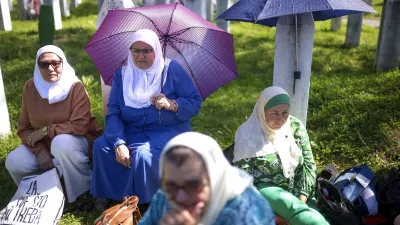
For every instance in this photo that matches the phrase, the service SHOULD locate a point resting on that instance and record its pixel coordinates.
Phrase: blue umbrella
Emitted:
(267, 12)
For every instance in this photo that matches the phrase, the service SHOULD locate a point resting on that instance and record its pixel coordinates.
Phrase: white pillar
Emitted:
(5, 128)
(160, 2)
(388, 49)
(10, 5)
(5, 18)
(197, 6)
(75, 3)
(57, 15)
(100, 4)
(353, 32)
(105, 93)
(64, 8)
(22, 10)
(285, 60)
(222, 6)
(148, 2)
(56, 12)
(336, 23)
(209, 10)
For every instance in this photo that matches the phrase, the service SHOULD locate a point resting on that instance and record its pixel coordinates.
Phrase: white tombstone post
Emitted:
(99, 5)
(197, 6)
(336, 23)
(105, 93)
(75, 3)
(388, 49)
(353, 32)
(105, 89)
(5, 128)
(148, 2)
(209, 10)
(5, 18)
(56, 12)
(22, 10)
(64, 7)
(222, 6)
(160, 2)
(285, 60)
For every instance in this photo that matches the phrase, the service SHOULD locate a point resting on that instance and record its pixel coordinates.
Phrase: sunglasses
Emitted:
(190, 187)
(45, 65)
(136, 51)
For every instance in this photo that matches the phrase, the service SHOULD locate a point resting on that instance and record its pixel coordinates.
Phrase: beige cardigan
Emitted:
(70, 116)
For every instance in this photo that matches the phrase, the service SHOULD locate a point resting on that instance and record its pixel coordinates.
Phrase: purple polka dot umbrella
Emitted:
(204, 50)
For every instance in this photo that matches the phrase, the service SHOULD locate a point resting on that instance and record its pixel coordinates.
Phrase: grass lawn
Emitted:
(353, 115)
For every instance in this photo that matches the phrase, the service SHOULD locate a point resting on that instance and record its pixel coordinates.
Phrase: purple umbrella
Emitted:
(201, 48)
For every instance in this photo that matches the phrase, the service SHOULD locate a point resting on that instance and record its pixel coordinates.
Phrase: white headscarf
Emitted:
(57, 91)
(255, 138)
(227, 182)
(140, 85)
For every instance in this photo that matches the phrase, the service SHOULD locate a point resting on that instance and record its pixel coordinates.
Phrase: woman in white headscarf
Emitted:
(199, 186)
(152, 100)
(55, 122)
(274, 147)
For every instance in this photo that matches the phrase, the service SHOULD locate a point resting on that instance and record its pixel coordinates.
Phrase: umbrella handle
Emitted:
(297, 76)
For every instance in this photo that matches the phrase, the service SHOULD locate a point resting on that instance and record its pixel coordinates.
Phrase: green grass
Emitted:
(353, 115)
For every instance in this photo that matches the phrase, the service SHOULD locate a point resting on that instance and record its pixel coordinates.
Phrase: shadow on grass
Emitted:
(7, 185)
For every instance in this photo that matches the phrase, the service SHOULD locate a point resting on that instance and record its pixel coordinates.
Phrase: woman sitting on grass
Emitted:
(55, 121)
(152, 100)
(274, 147)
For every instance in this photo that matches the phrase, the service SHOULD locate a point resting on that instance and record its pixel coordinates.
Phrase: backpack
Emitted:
(334, 206)
(388, 193)
(357, 184)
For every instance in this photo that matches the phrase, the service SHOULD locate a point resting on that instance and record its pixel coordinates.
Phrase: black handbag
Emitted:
(388, 189)
(334, 206)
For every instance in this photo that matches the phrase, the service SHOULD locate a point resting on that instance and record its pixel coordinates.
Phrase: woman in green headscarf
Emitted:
(274, 147)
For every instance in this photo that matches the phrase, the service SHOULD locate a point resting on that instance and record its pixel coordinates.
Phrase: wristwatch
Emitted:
(175, 106)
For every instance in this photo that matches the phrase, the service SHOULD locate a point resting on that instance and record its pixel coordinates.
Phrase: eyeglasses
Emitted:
(136, 51)
(45, 65)
(190, 187)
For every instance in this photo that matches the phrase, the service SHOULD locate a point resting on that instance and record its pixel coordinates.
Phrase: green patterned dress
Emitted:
(268, 170)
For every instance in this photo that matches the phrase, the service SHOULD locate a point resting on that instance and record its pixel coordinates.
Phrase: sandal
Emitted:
(329, 173)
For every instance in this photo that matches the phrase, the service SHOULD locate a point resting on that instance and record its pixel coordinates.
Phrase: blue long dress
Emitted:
(249, 208)
(144, 131)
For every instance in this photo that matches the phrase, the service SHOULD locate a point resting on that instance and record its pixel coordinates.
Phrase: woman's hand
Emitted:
(160, 101)
(44, 160)
(303, 198)
(36, 136)
(180, 216)
(122, 155)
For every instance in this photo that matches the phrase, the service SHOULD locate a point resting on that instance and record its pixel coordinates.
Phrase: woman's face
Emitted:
(188, 185)
(277, 116)
(50, 66)
(142, 55)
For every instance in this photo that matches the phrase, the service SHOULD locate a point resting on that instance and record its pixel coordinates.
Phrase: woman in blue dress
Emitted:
(200, 187)
(152, 100)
